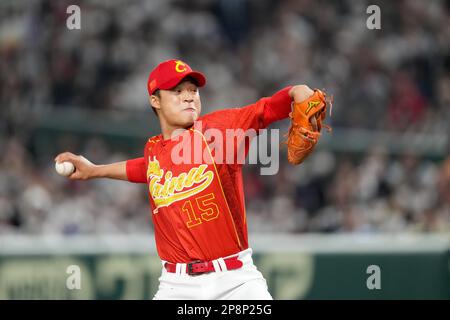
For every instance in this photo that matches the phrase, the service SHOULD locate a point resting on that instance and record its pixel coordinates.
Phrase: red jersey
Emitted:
(198, 207)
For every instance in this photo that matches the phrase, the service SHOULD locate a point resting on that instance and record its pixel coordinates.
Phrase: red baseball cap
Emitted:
(170, 73)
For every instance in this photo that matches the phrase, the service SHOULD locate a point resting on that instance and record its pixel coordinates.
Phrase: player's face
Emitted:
(180, 106)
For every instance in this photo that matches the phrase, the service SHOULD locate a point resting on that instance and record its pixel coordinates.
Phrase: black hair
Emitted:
(191, 79)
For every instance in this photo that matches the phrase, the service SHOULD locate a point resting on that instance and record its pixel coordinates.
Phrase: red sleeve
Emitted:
(256, 116)
(136, 171)
(278, 107)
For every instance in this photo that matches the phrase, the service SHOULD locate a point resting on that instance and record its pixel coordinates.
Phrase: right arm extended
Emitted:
(84, 169)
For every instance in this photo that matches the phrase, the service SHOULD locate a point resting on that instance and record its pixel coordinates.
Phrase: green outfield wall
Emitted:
(40, 270)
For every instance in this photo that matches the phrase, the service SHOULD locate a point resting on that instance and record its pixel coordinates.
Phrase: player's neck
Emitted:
(169, 131)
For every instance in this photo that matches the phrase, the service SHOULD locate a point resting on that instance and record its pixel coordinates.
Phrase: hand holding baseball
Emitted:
(65, 168)
(74, 167)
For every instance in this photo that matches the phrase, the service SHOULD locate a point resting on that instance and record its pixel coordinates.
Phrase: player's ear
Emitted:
(155, 101)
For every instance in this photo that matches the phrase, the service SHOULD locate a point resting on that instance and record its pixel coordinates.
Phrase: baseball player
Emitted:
(198, 208)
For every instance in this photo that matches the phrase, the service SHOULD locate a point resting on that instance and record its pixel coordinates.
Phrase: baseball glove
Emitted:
(306, 123)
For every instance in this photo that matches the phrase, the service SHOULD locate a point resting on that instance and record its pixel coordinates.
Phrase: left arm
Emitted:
(278, 106)
(260, 114)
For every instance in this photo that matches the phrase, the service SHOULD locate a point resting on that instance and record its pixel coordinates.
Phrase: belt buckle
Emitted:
(189, 268)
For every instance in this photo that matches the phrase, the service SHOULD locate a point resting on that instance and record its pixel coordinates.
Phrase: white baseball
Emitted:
(64, 168)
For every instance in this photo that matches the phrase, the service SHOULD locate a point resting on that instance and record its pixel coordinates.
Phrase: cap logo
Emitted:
(180, 66)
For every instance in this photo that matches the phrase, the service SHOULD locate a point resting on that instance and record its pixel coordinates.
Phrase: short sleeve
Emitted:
(136, 171)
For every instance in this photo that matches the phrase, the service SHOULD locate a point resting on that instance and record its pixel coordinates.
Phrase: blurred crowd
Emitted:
(328, 193)
(335, 193)
(396, 79)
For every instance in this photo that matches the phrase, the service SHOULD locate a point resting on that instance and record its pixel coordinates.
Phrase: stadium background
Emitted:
(375, 192)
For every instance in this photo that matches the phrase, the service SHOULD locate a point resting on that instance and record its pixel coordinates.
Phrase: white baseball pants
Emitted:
(245, 283)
